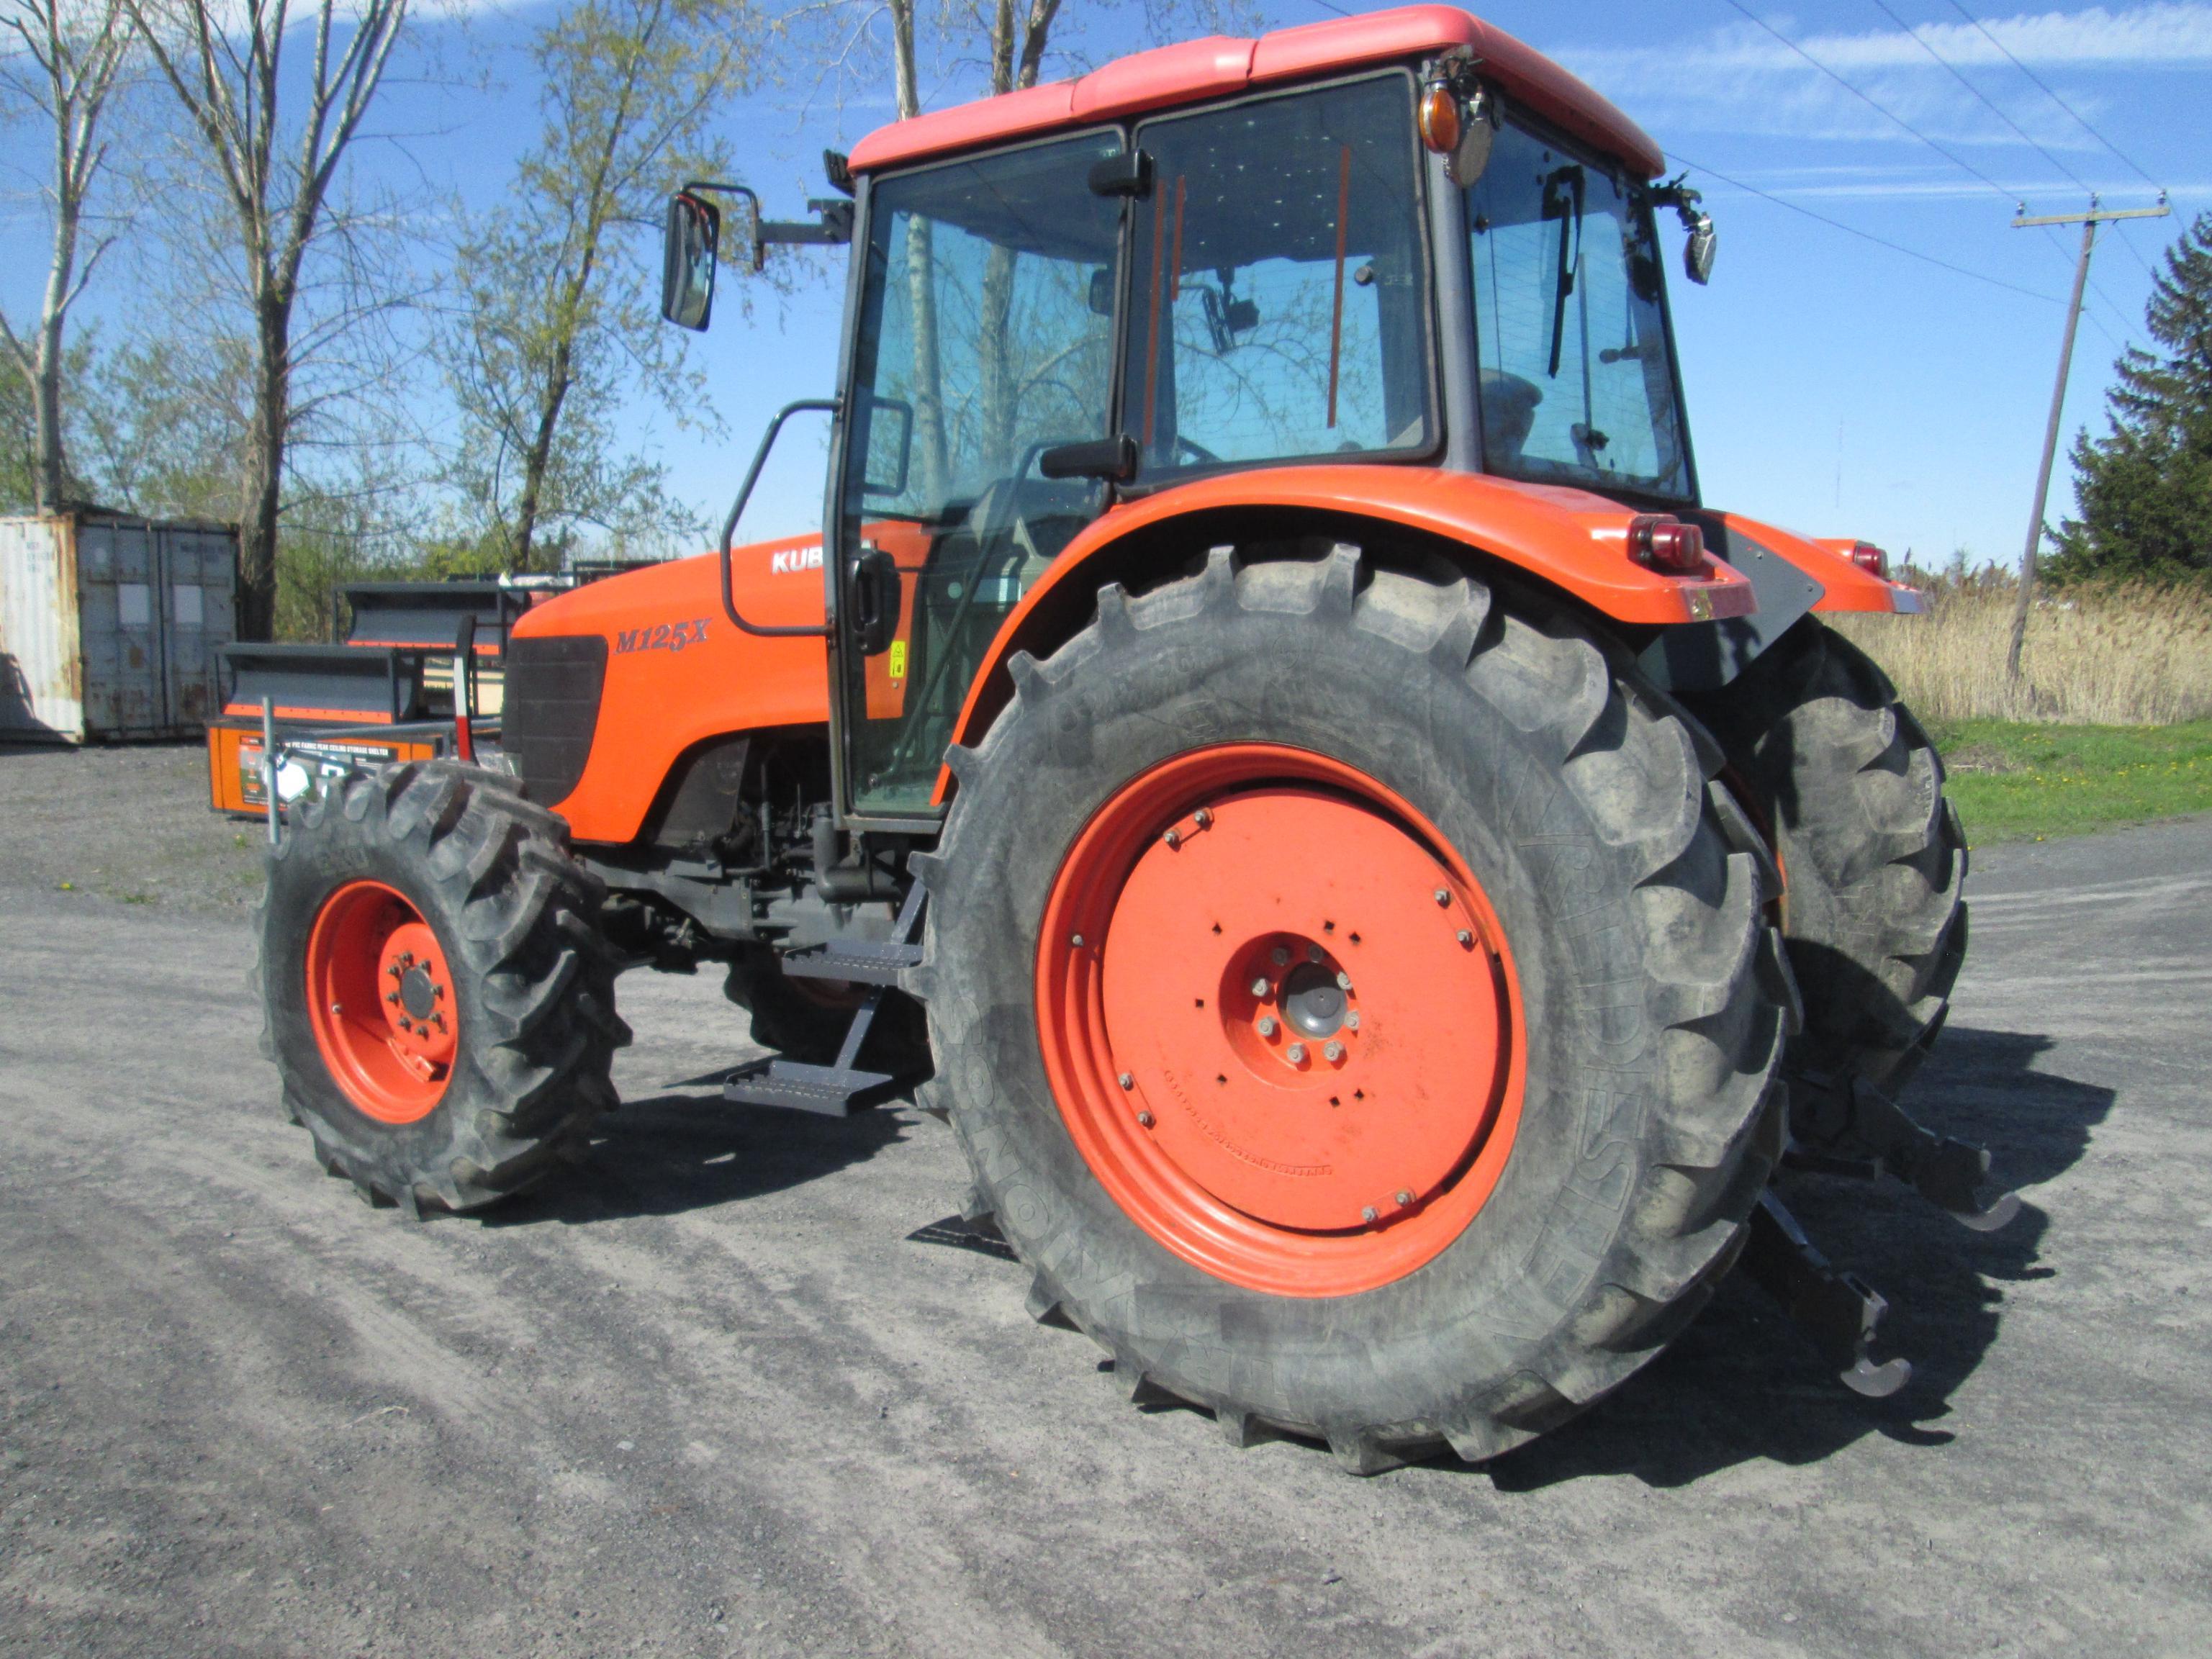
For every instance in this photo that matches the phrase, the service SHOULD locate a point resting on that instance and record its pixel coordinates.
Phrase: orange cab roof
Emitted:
(1220, 67)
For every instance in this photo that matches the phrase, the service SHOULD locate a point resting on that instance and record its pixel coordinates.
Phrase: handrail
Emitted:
(766, 631)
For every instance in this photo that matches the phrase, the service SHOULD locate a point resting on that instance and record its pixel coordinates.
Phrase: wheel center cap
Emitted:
(1313, 1001)
(417, 993)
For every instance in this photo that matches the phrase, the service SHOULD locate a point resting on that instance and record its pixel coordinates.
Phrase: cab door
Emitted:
(985, 337)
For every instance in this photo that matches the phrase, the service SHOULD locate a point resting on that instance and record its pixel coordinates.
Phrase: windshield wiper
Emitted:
(1563, 200)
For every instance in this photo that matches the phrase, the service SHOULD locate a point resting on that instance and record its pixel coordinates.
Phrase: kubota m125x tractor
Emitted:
(1270, 742)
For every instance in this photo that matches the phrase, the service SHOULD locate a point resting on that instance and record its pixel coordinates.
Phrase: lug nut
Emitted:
(1267, 1025)
(1351, 1021)
(1075, 941)
(1344, 982)
(1404, 1197)
(1465, 937)
(1279, 957)
(1128, 1081)
(1173, 838)
(1296, 1054)
(1203, 817)
(1259, 988)
(1144, 1120)
(1313, 953)
(1334, 1051)
(337, 1008)
(391, 996)
(392, 969)
(406, 1025)
(1371, 1215)
(1443, 898)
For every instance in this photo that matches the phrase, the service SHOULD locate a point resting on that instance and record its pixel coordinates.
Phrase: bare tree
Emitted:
(69, 61)
(225, 60)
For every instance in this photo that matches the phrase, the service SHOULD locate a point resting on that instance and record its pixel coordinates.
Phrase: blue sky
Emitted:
(1833, 385)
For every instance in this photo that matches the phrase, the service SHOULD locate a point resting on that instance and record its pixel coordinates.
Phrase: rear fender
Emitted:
(1567, 541)
(1828, 562)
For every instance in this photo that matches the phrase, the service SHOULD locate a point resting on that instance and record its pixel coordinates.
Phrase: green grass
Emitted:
(2014, 781)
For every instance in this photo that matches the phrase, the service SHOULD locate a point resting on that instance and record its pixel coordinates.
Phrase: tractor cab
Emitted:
(1446, 261)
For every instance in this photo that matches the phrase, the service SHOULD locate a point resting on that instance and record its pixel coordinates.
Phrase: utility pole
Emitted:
(2089, 221)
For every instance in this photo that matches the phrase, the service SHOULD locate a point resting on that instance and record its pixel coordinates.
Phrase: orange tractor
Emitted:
(1270, 743)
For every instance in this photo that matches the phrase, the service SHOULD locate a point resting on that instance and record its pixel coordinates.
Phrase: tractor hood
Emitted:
(672, 670)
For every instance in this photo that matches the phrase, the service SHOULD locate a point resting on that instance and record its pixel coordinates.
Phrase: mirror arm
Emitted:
(836, 228)
(766, 631)
(752, 201)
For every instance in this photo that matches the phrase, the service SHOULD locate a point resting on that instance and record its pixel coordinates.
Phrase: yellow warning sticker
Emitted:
(898, 659)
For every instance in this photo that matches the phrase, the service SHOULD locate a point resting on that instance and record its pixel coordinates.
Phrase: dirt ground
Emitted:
(707, 1397)
(129, 823)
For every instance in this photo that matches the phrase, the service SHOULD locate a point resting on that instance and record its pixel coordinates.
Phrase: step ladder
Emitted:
(838, 1089)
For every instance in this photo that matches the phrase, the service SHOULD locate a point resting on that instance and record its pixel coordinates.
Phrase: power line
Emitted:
(1952, 69)
(2128, 242)
(1865, 235)
(2078, 117)
(1881, 110)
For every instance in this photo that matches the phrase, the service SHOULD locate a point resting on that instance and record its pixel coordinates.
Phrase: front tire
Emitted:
(439, 999)
(1583, 1127)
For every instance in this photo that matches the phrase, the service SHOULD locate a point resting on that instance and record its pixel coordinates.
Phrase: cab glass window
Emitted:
(1280, 293)
(1576, 382)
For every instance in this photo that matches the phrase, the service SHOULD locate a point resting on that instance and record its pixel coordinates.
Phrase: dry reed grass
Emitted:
(2120, 655)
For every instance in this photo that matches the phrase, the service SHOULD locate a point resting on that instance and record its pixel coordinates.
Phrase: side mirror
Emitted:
(875, 597)
(890, 447)
(687, 260)
(1478, 131)
(1698, 252)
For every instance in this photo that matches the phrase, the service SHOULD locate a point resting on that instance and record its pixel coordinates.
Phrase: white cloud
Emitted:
(1741, 80)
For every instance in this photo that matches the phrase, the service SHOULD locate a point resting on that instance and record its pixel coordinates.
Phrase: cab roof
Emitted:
(1222, 66)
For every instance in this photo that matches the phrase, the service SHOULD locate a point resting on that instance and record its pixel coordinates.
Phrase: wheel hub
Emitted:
(1318, 1050)
(380, 998)
(1278, 1016)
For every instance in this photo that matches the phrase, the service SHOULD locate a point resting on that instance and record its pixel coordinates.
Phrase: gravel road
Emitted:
(707, 1397)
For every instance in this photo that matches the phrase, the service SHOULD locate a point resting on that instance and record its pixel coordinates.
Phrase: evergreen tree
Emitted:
(2145, 488)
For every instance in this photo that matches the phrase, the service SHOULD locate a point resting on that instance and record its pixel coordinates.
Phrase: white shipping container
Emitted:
(111, 627)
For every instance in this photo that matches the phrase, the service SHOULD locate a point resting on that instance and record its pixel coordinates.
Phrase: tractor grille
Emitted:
(551, 706)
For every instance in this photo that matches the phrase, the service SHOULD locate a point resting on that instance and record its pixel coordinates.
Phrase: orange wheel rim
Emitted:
(381, 999)
(1280, 1020)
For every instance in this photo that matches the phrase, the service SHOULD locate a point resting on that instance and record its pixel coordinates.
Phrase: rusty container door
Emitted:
(120, 617)
(199, 569)
(42, 670)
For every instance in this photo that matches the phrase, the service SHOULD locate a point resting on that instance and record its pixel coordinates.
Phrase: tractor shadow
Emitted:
(1743, 1383)
(670, 1153)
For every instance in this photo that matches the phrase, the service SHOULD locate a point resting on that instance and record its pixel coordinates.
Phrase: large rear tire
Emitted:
(1507, 845)
(438, 1000)
(1874, 860)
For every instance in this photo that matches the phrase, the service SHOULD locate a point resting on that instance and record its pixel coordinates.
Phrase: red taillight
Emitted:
(1666, 545)
(1440, 124)
(1871, 559)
